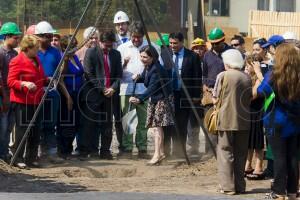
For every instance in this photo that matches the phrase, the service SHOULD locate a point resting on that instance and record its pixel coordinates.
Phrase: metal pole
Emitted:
(151, 16)
(164, 91)
(55, 76)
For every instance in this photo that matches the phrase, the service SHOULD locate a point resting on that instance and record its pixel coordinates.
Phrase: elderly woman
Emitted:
(160, 107)
(26, 80)
(281, 89)
(233, 92)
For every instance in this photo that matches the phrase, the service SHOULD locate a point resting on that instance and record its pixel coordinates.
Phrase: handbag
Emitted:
(207, 98)
(211, 116)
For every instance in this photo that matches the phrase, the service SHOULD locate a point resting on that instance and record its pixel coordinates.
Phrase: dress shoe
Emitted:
(106, 156)
(21, 165)
(33, 164)
(124, 155)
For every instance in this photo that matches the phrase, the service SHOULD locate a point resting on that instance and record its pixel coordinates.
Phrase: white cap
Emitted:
(233, 58)
(43, 28)
(90, 30)
(289, 35)
(120, 17)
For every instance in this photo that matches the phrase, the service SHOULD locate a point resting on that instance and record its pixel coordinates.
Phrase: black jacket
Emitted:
(191, 74)
(92, 90)
(155, 78)
(116, 70)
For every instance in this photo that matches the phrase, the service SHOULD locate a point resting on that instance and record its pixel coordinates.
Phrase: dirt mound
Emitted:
(205, 168)
(5, 169)
(99, 173)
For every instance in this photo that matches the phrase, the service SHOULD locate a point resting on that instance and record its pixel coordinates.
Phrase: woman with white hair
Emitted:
(92, 35)
(233, 94)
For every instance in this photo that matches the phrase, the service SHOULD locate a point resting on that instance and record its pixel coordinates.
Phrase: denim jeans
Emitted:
(7, 122)
(50, 113)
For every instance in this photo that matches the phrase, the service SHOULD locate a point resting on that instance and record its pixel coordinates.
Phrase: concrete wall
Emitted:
(297, 6)
(239, 13)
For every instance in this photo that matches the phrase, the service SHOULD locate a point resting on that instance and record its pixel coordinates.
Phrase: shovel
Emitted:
(129, 120)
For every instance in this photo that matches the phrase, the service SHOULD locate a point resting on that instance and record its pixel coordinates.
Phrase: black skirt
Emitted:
(256, 136)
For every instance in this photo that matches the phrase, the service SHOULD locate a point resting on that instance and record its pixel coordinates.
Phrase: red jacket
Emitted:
(21, 69)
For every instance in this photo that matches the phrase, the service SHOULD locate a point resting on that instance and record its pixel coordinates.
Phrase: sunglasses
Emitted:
(235, 45)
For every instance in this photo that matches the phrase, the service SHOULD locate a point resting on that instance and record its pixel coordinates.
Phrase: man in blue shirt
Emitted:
(50, 58)
(186, 72)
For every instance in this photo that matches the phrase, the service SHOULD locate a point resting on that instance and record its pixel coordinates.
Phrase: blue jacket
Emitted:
(284, 117)
(151, 78)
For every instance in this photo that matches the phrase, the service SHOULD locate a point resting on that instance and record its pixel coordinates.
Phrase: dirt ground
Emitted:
(124, 175)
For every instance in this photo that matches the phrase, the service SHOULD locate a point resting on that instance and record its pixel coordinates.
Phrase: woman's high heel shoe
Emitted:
(155, 162)
(162, 157)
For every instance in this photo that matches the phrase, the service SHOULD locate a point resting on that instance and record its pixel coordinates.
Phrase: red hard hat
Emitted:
(30, 30)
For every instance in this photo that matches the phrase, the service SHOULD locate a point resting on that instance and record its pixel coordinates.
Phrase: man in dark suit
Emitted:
(186, 72)
(112, 103)
(103, 71)
(92, 95)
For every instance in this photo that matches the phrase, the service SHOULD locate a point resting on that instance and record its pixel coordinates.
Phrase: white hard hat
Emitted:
(43, 28)
(233, 58)
(90, 30)
(120, 17)
(289, 35)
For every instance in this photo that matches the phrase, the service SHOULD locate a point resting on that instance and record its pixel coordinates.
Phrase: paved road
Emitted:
(106, 196)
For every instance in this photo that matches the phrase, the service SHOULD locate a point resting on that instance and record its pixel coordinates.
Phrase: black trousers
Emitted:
(285, 151)
(182, 112)
(68, 124)
(90, 118)
(23, 115)
(106, 119)
(117, 113)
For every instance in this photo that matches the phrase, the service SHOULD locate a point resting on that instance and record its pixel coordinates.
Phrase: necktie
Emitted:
(106, 70)
(175, 73)
(124, 40)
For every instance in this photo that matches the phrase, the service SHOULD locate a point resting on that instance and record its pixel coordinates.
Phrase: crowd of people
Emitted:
(168, 86)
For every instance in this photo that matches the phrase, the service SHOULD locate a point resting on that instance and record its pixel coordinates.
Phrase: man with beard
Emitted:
(121, 22)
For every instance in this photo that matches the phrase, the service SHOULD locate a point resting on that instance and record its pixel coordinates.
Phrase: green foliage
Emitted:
(62, 13)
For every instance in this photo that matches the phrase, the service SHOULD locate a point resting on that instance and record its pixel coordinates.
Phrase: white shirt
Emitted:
(134, 66)
(119, 40)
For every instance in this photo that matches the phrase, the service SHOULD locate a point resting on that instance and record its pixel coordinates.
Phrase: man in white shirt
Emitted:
(121, 22)
(132, 65)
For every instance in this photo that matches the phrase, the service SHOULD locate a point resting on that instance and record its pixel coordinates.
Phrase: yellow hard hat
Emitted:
(198, 42)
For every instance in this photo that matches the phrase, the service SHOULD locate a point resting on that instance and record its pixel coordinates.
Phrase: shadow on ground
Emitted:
(22, 183)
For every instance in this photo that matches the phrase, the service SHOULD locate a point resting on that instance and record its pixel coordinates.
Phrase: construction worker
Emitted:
(11, 33)
(212, 61)
(199, 47)
(121, 21)
(30, 30)
(212, 66)
(50, 58)
(165, 39)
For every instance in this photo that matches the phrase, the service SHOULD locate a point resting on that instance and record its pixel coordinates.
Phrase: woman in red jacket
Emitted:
(26, 80)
